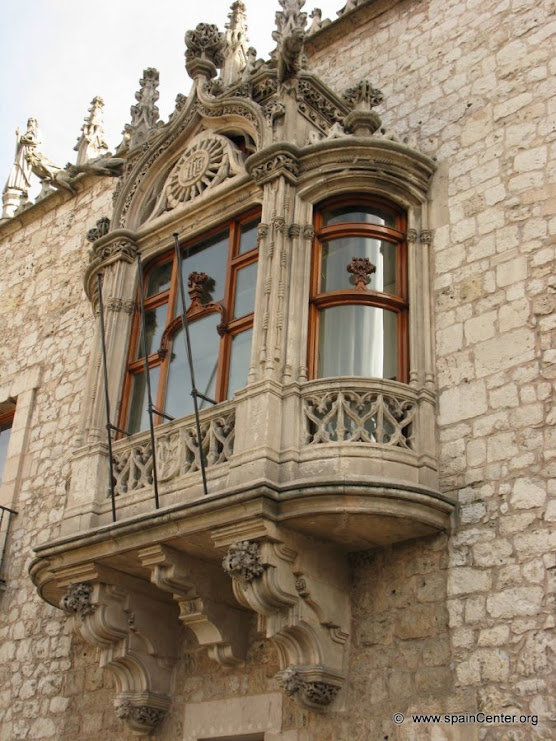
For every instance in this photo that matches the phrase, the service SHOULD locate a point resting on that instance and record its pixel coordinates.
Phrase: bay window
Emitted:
(358, 296)
(219, 274)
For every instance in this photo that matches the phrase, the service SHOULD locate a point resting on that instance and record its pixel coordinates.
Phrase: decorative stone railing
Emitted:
(177, 450)
(384, 414)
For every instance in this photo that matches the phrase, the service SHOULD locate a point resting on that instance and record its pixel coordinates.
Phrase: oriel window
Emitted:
(220, 275)
(358, 296)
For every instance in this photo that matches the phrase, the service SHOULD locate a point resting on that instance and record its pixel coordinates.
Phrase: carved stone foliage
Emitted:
(77, 600)
(121, 249)
(100, 230)
(205, 50)
(243, 561)
(177, 452)
(303, 606)
(310, 694)
(280, 163)
(359, 416)
(142, 719)
(208, 161)
(364, 94)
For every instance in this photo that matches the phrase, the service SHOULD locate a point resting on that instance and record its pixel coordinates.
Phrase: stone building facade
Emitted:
(375, 536)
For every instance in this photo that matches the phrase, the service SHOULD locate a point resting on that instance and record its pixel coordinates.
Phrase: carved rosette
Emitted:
(77, 600)
(243, 561)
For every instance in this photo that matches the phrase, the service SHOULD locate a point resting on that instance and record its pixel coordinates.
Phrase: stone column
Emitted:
(113, 256)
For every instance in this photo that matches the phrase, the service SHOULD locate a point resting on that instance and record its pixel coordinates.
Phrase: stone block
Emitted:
(515, 602)
(527, 494)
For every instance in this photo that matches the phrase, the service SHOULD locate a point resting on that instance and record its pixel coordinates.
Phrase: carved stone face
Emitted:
(32, 125)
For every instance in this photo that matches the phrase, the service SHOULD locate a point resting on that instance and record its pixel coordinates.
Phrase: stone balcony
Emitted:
(298, 476)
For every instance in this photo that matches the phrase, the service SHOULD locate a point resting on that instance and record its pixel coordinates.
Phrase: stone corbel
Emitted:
(206, 602)
(137, 638)
(299, 590)
(277, 160)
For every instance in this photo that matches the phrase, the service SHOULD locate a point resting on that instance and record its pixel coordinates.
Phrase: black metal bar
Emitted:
(106, 398)
(150, 407)
(206, 398)
(119, 429)
(187, 338)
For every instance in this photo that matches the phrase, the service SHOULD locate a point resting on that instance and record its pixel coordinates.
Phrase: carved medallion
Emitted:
(208, 160)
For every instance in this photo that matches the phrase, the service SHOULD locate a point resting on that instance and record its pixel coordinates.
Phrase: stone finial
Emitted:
(363, 95)
(236, 45)
(362, 121)
(144, 114)
(289, 37)
(205, 50)
(91, 144)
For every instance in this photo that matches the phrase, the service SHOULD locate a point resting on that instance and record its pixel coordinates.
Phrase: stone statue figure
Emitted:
(91, 144)
(20, 175)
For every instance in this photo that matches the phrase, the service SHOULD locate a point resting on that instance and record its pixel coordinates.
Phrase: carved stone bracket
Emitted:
(136, 636)
(206, 601)
(299, 592)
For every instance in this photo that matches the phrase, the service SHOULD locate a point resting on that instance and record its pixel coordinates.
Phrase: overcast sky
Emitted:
(56, 55)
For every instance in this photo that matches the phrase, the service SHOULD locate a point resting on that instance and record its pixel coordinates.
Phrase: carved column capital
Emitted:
(278, 160)
(426, 236)
(411, 235)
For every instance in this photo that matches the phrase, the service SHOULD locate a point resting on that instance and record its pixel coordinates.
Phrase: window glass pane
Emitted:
(154, 322)
(248, 238)
(359, 214)
(210, 257)
(4, 440)
(338, 254)
(246, 282)
(239, 361)
(138, 414)
(158, 279)
(204, 344)
(357, 340)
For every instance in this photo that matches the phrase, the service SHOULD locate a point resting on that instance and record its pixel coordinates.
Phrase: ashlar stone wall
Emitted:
(47, 676)
(473, 83)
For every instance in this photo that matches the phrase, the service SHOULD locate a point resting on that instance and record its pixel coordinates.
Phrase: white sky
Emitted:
(56, 55)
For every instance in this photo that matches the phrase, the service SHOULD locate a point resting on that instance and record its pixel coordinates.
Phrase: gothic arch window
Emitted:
(359, 292)
(219, 274)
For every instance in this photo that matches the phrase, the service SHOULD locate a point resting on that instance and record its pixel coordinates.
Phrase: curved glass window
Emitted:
(220, 275)
(359, 290)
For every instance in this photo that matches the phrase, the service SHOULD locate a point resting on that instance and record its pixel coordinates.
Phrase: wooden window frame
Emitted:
(6, 423)
(320, 300)
(230, 326)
